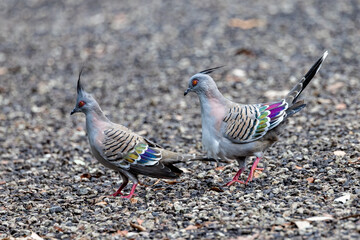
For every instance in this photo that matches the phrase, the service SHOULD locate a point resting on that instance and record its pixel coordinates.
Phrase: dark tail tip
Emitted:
(309, 75)
(313, 70)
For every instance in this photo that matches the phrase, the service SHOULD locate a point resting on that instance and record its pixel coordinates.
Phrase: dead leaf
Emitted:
(340, 153)
(220, 168)
(133, 200)
(298, 167)
(310, 179)
(302, 225)
(246, 24)
(257, 173)
(244, 51)
(85, 175)
(334, 88)
(2, 182)
(343, 199)
(340, 106)
(58, 229)
(191, 227)
(101, 203)
(138, 227)
(216, 189)
(157, 181)
(28, 207)
(172, 182)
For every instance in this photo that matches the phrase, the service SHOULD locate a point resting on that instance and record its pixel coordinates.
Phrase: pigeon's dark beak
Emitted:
(187, 91)
(73, 111)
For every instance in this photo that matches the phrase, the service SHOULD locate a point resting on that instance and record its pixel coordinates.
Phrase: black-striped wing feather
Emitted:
(118, 143)
(247, 123)
(136, 154)
(124, 148)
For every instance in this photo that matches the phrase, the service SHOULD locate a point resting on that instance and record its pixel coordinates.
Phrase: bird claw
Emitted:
(128, 196)
(234, 181)
(131, 192)
(115, 194)
(122, 195)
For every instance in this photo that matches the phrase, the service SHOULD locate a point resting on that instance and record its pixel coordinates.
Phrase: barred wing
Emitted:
(247, 123)
(123, 148)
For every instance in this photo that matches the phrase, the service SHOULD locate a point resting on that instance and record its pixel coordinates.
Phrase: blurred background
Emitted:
(137, 58)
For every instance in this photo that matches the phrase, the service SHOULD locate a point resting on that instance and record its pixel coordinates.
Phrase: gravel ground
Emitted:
(138, 56)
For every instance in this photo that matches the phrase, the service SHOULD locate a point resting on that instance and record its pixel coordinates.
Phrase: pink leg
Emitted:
(131, 192)
(253, 168)
(118, 192)
(236, 178)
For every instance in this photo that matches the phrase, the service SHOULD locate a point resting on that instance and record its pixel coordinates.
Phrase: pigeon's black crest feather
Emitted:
(79, 87)
(210, 70)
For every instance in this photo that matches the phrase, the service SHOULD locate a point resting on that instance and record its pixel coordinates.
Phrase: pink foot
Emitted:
(115, 194)
(234, 181)
(118, 192)
(131, 192)
(236, 178)
(253, 168)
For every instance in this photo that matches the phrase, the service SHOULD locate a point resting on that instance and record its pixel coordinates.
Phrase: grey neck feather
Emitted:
(95, 113)
(212, 93)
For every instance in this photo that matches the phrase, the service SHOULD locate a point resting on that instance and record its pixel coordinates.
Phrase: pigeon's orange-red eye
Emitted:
(81, 103)
(194, 82)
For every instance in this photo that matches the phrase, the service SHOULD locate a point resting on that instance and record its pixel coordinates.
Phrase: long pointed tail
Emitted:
(297, 90)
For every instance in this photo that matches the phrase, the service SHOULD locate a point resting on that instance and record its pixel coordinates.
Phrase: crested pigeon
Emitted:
(122, 150)
(235, 131)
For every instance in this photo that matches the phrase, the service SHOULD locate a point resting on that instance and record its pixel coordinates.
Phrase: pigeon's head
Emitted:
(84, 101)
(201, 83)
